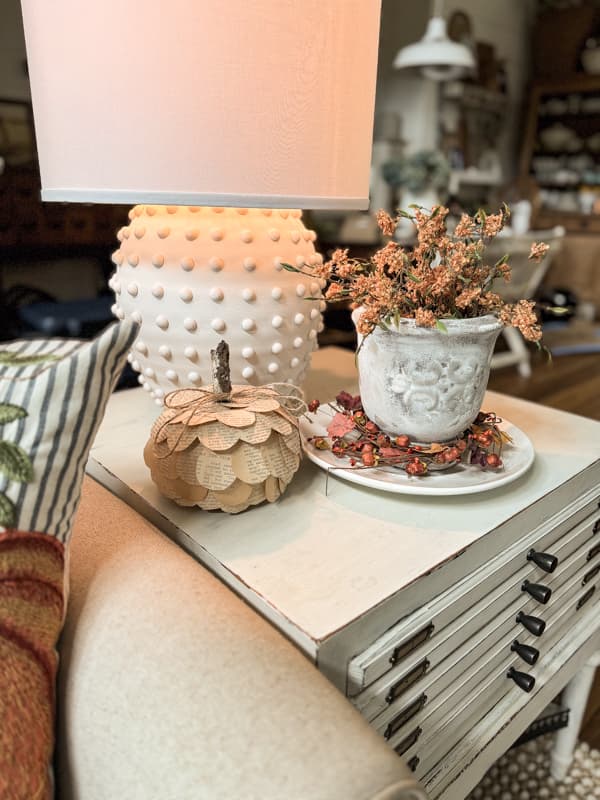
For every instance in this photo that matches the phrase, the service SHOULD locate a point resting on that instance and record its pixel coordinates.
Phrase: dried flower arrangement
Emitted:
(357, 439)
(444, 277)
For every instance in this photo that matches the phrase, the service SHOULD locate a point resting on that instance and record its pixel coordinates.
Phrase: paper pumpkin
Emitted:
(226, 451)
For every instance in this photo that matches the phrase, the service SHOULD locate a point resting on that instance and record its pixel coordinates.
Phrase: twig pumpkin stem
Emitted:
(221, 373)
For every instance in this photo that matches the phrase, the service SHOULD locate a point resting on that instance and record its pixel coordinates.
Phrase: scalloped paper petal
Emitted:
(235, 418)
(199, 465)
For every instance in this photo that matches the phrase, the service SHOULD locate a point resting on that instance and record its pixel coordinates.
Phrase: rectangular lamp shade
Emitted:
(204, 102)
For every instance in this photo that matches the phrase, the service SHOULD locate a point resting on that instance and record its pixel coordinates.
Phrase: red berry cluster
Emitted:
(354, 436)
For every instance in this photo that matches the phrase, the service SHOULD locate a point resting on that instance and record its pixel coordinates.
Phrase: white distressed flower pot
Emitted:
(423, 382)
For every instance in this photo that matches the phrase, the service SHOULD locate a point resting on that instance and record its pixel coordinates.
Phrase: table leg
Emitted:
(575, 698)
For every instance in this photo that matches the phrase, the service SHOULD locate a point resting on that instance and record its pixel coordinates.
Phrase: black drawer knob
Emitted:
(543, 560)
(522, 679)
(534, 625)
(525, 651)
(540, 593)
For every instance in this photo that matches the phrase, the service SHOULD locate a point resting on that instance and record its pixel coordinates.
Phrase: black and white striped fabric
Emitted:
(64, 397)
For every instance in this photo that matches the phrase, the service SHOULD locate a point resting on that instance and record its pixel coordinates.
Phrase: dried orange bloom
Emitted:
(386, 223)
(425, 318)
(538, 251)
(465, 227)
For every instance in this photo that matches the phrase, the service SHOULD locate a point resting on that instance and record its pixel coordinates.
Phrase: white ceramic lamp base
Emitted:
(193, 276)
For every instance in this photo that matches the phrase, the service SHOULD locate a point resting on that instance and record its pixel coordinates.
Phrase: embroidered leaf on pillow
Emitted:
(15, 463)
(7, 511)
(10, 412)
(6, 357)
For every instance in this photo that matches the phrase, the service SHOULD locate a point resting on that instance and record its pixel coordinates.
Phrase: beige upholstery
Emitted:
(172, 688)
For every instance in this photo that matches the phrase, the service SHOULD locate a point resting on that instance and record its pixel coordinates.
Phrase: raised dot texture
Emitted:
(314, 313)
(117, 258)
(246, 236)
(276, 293)
(162, 322)
(299, 318)
(249, 264)
(276, 347)
(149, 372)
(118, 312)
(186, 294)
(194, 209)
(190, 352)
(133, 259)
(125, 232)
(216, 264)
(140, 232)
(247, 372)
(158, 401)
(273, 367)
(314, 288)
(274, 234)
(171, 209)
(159, 392)
(187, 263)
(301, 290)
(277, 321)
(163, 232)
(248, 352)
(165, 351)
(158, 260)
(295, 237)
(135, 365)
(141, 347)
(248, 324)
(248, 295)
(218, 209)
(171, 375)
(300, 261)
(242, 211)
(277, 263)
(141, 380)
(158, 290)
(284, 213)
(294, 362)
(322, 305)
(321, 326)
(217, 234)
(190, 324)
(131, 213)
(267, 212)
(150, 210)
(193, 376)
(298, 342)
(312, 334)
(216, 294)
(192, 234)
(218, 324)
(136, 317)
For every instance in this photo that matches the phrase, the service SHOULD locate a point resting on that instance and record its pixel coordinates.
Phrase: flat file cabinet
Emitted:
(449, 622)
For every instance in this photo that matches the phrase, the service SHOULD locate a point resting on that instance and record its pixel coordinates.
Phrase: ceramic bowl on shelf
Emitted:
(557, 137)
(590, 59)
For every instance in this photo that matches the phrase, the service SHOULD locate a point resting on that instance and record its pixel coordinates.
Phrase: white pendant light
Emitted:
(436, 55)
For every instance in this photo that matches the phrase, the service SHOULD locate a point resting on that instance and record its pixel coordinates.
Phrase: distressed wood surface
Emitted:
(319, 560)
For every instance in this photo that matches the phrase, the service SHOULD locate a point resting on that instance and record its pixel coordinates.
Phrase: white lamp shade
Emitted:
(436, 50)
(204, 102)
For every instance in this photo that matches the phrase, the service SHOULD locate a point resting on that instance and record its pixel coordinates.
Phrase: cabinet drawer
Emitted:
(438, 622)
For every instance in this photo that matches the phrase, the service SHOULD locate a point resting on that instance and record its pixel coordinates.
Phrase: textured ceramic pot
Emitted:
(193, 276)
(423, 382)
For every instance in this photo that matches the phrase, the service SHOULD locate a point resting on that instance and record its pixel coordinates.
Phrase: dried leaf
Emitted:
(340, 425)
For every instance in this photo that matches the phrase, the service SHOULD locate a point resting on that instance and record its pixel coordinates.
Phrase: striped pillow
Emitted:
(52, 399)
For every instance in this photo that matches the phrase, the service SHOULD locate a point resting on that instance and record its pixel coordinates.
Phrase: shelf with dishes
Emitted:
(561, 153)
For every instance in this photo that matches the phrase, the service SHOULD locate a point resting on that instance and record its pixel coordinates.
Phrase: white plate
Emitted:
(460, 479)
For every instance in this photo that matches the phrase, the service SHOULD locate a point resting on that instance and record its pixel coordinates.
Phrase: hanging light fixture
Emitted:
(436, 55)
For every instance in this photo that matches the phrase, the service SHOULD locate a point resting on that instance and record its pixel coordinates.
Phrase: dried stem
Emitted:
(220, 368)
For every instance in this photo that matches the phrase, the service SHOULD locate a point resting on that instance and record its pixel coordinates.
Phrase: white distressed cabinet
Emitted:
(449, 622)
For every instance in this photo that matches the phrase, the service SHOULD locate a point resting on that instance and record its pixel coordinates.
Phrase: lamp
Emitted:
(436, 55)
(208, 115)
